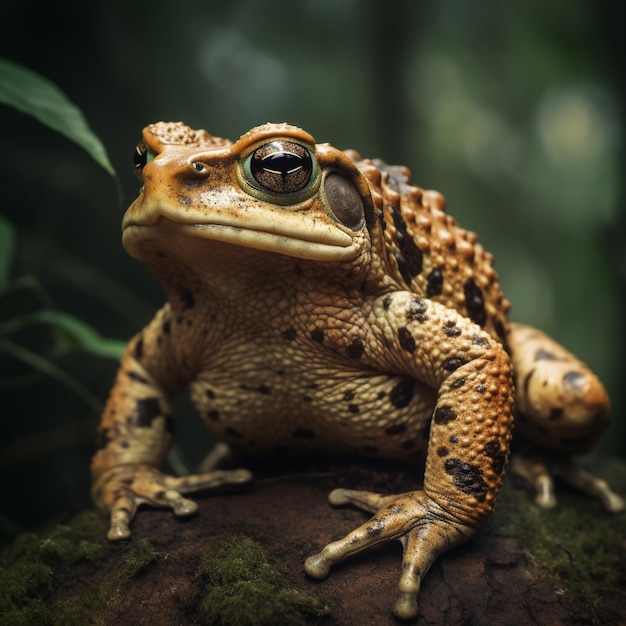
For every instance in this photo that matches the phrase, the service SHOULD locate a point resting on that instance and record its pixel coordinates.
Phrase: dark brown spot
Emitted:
(290, 334)
(467, 477)
(146, 410)
(454, 439)
(348, 395)
(434, 283)
(396, 429)
(402, 393)
(406, 339)
(137, 378)
(458, 383)
(353, 408)
(387, 300)
(317, 335)
(444, 415)
(555, 413)
(103, 438)
(409, 258)
(209, 394)
(187, 299)
(475, 302)
(481, 341)
(232, 432)
(497, 455)
(375, 529)
(417, 310)
(544, 355)
(451, 329)
(264, 389)
(303, 433)
(453, 364)
(356, 348)
(213, 415)
(381, 219)
(442, 451)
(481, 388)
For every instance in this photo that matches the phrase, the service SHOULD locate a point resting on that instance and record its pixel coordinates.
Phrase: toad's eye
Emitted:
(141, 157)
(281, 167)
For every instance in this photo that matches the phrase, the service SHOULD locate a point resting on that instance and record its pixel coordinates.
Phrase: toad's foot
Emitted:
(121, 489)
(538, 471)
(423, 527)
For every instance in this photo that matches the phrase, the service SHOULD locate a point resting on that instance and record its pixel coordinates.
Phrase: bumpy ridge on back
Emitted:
(429, 253)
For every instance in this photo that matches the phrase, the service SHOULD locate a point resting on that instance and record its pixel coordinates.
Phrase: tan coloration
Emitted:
(565, 406)
(316, 301)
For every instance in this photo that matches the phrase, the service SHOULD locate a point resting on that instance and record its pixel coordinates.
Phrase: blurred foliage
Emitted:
(513, 111)
(33, 95)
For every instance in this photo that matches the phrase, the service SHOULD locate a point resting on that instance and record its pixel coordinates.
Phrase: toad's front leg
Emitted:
(425, 529)
(467, 449)
(134, 437)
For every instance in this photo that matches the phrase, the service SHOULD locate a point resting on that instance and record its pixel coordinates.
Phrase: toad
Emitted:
(320, 301)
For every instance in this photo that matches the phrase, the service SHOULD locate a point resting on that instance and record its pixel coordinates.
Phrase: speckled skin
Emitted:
(316, 300)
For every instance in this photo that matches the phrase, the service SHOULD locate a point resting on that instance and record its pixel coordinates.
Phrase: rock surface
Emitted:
(513, 572)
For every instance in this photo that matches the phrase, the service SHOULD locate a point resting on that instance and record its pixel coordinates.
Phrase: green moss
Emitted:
(64, 545)
(579, 543)
(29, 566)
(244, 587)
(140, 555)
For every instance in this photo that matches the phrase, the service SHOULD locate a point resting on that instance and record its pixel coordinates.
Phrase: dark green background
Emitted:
(513, 110)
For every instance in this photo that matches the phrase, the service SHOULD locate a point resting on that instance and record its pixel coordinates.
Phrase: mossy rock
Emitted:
(239, 561)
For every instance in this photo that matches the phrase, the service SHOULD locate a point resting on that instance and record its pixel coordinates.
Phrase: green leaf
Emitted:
(7, 245)
(73, 331)
(32, 94)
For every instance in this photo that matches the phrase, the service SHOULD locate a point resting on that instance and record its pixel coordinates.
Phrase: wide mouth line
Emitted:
(298, 235)
(325, 244)
(325, 235)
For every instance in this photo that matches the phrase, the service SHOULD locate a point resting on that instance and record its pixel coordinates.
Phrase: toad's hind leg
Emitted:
(563, 408)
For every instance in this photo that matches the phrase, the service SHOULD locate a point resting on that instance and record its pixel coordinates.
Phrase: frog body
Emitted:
(320, 301)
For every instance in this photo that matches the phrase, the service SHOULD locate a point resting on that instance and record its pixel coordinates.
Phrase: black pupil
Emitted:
(282, 163)
(282, 167)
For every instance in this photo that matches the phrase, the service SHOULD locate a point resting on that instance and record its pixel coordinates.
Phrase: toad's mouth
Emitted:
(293, 234)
